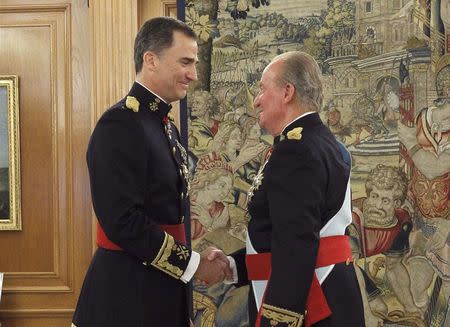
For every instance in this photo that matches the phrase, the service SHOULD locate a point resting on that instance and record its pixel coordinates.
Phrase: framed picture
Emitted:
(10, 218)
(169, 8)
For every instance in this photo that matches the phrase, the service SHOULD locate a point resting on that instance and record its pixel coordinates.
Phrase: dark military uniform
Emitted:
(138, 178)
(302, 186)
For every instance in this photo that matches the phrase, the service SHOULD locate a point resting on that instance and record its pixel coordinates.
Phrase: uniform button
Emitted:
(145, 263)
(174, 150)
(182, 195)
(181, 172)
(182, 219)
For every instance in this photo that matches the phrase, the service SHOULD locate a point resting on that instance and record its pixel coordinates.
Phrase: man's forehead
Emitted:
(270, 71)
(179, 38)
(382, 190)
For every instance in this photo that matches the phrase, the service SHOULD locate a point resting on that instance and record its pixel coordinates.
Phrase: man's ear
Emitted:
(150, 60)
(289, 92)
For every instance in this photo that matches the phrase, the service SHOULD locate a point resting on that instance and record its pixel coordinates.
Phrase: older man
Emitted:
(297, 257)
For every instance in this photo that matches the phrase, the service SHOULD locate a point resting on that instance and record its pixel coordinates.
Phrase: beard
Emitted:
(372, 213)
(374, 217)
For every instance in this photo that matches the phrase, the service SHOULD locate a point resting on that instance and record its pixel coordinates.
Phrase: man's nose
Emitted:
(256, 102)
(379, 204)
(193, 74)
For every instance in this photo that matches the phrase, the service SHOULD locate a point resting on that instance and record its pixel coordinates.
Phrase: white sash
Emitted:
(335, 226)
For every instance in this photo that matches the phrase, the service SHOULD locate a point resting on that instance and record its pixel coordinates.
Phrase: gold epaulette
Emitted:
(295, 134)
(132, 103)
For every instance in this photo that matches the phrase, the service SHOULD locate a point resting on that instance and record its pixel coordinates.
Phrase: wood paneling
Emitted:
(113, 29)
(45, 44)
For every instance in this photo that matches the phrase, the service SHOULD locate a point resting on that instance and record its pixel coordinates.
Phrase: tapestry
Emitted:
(386, 74)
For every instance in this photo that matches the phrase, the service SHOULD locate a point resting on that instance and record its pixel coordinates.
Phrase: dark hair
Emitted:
(157, 35)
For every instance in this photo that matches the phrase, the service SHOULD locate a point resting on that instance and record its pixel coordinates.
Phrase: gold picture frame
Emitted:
(169, 8)
(10, 206)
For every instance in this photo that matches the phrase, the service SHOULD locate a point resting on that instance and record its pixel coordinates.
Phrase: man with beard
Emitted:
(384, 227)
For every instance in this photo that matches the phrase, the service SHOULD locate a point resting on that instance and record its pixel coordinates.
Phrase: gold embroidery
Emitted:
(277, 315)
(182, 252)
(161, 260)
(208, 308)
(295, 134)
(132, 103)
(153, 106)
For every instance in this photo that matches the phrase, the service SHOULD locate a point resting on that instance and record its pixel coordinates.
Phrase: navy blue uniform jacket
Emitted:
(303, 186)
(137, 183)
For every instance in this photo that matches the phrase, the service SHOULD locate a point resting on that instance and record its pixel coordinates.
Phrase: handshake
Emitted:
(214, 267)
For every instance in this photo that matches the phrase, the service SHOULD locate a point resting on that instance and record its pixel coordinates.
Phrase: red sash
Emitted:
(332, 250)
(176, 231)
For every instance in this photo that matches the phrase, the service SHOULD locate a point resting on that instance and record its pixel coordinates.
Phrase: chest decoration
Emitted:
(184, 165)
(184, 171)
(257, 181)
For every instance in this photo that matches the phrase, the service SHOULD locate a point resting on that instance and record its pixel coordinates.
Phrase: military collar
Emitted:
(146, 100)
(294, 129)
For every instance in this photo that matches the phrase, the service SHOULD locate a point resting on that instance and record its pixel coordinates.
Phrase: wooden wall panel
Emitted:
(113, 29)
(35, 50)
(18, 41)
(53, 321)
(45, 44)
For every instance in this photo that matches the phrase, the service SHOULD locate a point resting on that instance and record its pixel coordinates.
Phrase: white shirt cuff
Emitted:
(191, 267)
(234, 269)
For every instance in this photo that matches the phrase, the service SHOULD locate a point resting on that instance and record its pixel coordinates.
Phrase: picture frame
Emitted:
(10, 204)
(169, 8)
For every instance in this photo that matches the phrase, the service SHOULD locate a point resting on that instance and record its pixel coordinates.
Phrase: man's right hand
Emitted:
(214, 267)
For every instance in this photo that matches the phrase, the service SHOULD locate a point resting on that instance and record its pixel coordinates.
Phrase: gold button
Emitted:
(182, 195)
(182, 219)
(145, 263)
(174, 150)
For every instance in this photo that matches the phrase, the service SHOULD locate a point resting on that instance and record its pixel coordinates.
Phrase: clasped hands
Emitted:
(214, 267)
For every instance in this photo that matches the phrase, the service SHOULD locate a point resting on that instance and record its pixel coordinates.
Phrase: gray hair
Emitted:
(156, 35)
(301, 70)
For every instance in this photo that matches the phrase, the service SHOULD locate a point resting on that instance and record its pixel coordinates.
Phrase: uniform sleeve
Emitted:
(241, 268)
(295, 187)
(117, 159)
